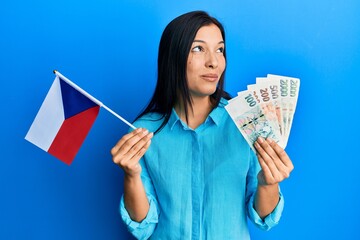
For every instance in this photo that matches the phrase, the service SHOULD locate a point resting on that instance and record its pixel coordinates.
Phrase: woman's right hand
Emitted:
(129, 149)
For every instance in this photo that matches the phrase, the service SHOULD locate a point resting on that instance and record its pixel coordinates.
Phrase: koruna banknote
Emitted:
(289, 91)
(250, 119)
(266, 109)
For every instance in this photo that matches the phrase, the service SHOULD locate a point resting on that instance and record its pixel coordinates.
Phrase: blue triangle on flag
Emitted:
(74, 102)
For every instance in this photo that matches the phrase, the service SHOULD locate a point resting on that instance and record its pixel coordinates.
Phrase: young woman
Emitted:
(189, 173)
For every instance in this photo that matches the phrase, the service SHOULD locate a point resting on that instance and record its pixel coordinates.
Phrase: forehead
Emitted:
(209, 33)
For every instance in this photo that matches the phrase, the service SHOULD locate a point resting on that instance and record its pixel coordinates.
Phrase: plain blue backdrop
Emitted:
(109, 48)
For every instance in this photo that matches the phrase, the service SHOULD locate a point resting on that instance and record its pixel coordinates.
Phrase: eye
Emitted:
(197, 49)
(220, 50)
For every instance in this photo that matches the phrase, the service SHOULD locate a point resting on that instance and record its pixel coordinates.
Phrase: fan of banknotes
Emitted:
(266, 109)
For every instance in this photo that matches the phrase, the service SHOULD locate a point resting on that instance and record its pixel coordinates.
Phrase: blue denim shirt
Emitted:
(200, 183)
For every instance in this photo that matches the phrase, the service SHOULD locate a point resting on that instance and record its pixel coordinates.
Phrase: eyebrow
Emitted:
(202, 41)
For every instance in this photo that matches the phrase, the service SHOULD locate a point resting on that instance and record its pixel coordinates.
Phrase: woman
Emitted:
(189, 173)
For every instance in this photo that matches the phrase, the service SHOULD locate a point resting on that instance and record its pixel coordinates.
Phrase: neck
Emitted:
(198, 111)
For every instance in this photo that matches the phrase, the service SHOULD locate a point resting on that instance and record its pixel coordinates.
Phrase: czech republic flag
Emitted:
(63, 121)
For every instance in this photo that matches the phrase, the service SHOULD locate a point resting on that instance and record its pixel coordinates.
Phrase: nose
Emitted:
(211, 60)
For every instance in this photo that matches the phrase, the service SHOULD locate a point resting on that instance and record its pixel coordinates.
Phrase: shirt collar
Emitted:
(215, 115)
(174, 118)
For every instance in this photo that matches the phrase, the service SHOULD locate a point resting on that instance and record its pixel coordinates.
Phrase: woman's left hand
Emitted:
(274, 161)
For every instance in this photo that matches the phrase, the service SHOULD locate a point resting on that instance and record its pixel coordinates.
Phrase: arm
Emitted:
(135, 199)
(275, 167)
(266, 199)
(127, 153)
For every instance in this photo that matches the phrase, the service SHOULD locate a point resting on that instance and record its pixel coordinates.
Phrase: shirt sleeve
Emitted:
(145, 228)
(274, 217)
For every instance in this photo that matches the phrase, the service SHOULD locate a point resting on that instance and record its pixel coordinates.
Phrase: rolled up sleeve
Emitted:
(270, 220)
(145, 228)
(273, 218)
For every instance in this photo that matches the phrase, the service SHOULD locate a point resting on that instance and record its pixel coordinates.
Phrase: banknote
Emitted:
(263, 96)
(266, 109)
(250, 119)
(289, 91)
(273, 90)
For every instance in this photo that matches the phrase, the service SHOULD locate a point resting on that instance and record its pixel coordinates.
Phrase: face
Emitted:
(206, 61)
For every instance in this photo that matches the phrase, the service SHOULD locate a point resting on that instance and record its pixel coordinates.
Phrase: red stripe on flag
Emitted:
(72, 134)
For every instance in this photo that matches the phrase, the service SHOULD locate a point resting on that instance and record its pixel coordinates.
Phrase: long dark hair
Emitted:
(174, 49)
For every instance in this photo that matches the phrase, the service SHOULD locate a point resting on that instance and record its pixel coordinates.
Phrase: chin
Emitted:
(212, 91)
(206, 94)
(204, 91)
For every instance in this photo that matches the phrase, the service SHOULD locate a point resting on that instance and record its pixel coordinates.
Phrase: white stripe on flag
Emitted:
(49, 118)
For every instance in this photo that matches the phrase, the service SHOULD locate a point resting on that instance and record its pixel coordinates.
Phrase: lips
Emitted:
(212, 77)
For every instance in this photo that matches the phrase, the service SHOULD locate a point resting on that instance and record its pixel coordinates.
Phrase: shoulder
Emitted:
(219, 113)
(150, 121)
(223, 102)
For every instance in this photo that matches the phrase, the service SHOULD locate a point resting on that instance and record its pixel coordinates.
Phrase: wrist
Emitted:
(268, 187)
(132, 178)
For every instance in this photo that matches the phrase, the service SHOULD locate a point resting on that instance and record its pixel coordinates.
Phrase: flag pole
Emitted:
(92, 98)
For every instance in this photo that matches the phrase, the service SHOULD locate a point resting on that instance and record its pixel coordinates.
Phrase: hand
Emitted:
(130, 148)
(275, 163)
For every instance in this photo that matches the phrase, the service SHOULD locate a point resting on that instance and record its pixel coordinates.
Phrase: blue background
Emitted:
(109, 48)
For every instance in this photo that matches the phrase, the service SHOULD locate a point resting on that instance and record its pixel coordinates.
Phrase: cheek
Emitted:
(192, 66)
(223, 61)
(222, 65)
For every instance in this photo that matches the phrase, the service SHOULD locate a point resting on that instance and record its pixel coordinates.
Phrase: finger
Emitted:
(266, 149)
(129, 141)
(131, 165)
(278, 170)
(268, 176)
(136, 157)
(271, 175)
(117, 146)
(275, 152)
(280, 158)
(128, 148)
(140, 146)
(280, 152)
(266, 152)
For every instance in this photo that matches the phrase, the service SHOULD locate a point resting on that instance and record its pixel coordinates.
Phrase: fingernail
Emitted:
(145, 132)
(269, 140)
(260, 140)
(256, 144)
